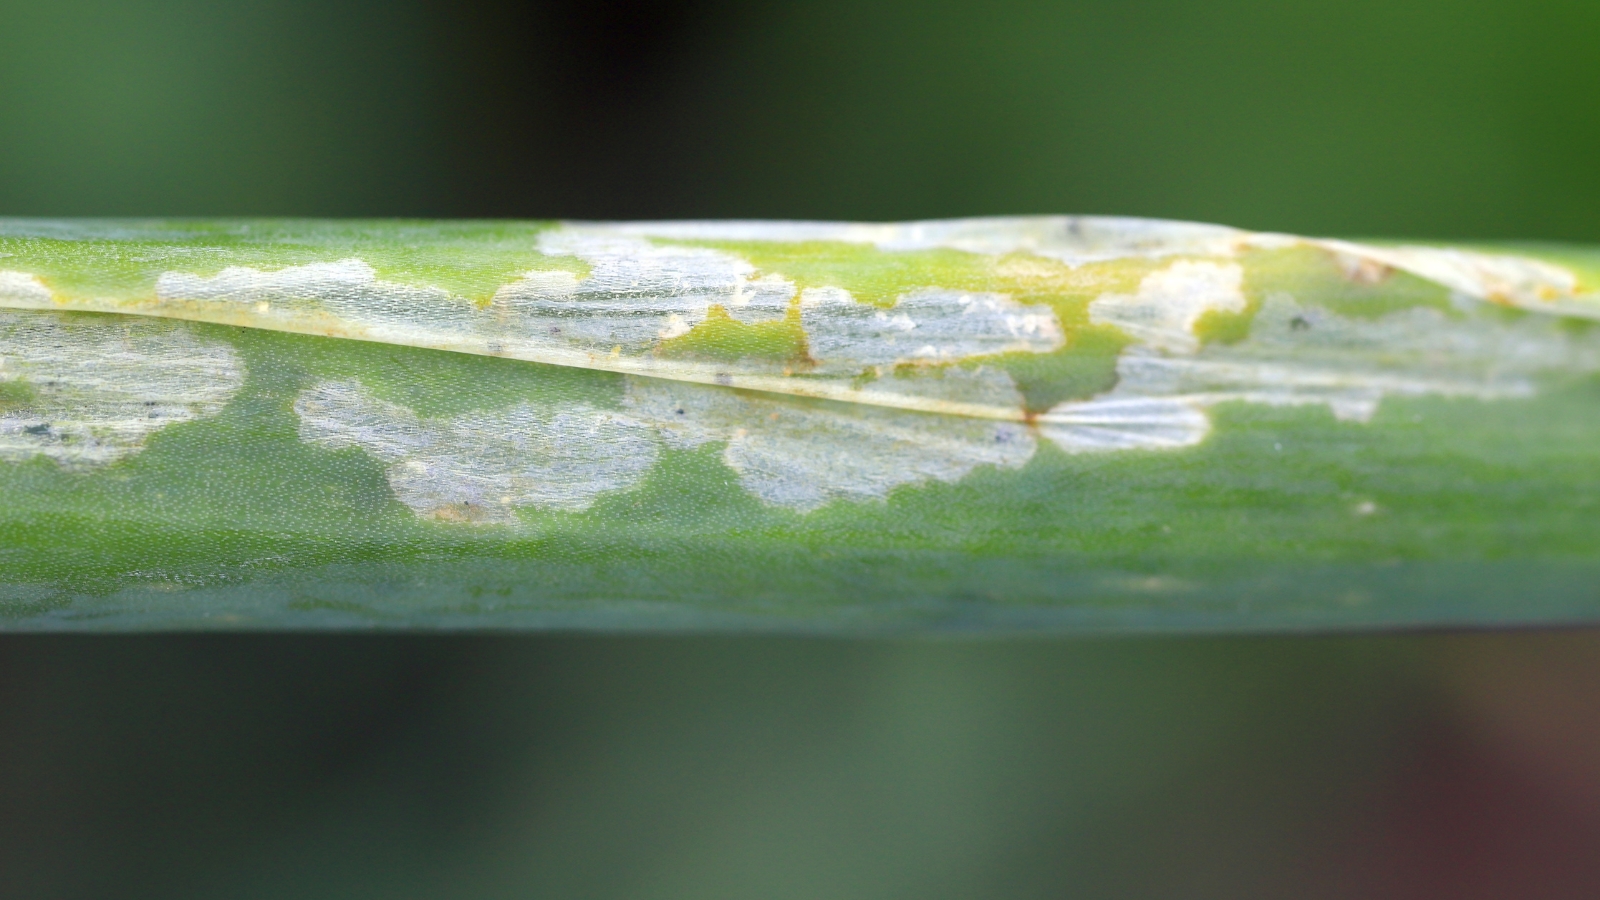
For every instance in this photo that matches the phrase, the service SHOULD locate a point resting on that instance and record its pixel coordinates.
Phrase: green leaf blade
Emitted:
(991, 425)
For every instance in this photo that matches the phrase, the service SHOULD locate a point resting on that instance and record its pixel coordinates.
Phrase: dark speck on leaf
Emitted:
(37, 429)
(1299, 323)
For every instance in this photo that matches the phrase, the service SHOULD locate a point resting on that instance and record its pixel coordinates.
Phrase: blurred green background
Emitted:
(592, 766)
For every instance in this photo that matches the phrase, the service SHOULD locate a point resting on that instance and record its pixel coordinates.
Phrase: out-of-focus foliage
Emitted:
(1359, 117)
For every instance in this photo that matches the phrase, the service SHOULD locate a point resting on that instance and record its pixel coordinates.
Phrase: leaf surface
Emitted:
(1020, 424)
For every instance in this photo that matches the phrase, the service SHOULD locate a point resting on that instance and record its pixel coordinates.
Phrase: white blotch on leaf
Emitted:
(1299, 355)
(87, 390)
(482, 466)
(803, 455)
(348, 288)
(1163, 312)
(636, 292)
(1124, 423)
(1075, 240)
(929, 325)
(1517, 280)
(1070, 239)
(23, 291)
(243, 284)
